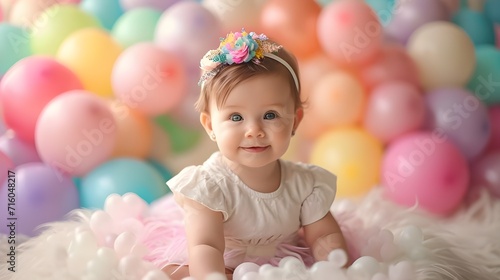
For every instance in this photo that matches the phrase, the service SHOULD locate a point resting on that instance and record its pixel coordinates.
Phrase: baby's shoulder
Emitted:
(311, 173)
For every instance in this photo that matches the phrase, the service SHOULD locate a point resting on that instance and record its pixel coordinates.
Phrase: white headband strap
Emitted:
(284, 63)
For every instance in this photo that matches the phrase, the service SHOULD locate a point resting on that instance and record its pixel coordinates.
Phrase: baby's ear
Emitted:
(206, 122)
(299, 114)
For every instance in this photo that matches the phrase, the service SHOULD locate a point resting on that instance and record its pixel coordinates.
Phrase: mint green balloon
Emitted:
(55, 23)
(136, 25)
(14, 45)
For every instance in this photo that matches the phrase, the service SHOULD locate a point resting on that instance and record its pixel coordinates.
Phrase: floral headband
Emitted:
(241, 47)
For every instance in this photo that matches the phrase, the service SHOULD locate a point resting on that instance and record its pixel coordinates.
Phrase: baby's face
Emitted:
(254, 126)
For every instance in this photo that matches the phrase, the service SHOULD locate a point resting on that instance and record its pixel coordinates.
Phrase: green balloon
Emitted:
(181, 138)
(136, 25)
(55, 23)
(484, 81)
(14, 45)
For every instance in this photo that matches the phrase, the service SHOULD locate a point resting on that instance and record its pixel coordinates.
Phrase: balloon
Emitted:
(159, 5)
(425, 169)
(410, 15)
(134, 26)
(293, 26)
(392, 63)
(384, 9)
(353, 155)
(311, 70)
(477, 25)
(27, 88)
(494, 116)
(24, 13)
(492, 10)
(483, 82)
(76, 132)
(452, 6)
(6, 165)
(190, 30)
(338, 99)
(182, 138)
(14, 45)
(462, 117)
(134, 132)
(91, 53)
(394, 109)
(107, 12)
(486, 172)
(443, 53)
(148, 79)
(162, 169)
(120, 176)
(349, 31)
(17, 150)
(54, 24)
(42, 195)
(236, 14)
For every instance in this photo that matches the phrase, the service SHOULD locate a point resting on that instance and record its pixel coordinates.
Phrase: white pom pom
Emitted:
(410, 237)
(155, 275)
(131, 266)
(403, 270)
(272, 273)
(115, 207)
(136, 206)
(101, 224)
(216, 276)
(380, 276)
(364, 267)
(243, 269)
(325, 270)
(101, 266)
(124, 243)
(293, 267)
(338, 258)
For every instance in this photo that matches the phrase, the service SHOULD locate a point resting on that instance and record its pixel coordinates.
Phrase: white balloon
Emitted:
(410, 237)
(101, 224)
(124, 243)
(131, 266)
(243, 269)
(216, 276)
(364, 267)
(403, 270)
(155, 275)
(338, 257)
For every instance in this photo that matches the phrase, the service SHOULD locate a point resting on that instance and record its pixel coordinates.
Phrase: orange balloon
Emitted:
(135, 132)
(311, 70)
(292, 25)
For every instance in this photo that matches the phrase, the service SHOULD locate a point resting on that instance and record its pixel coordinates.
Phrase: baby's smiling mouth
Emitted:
(255, 149)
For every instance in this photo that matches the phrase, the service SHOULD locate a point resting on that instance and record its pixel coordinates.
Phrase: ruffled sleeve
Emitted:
(319, 202)
(195, 183)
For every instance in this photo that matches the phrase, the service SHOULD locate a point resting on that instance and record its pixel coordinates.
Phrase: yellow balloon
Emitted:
(91, 54)
(134, 132)
(353, 155)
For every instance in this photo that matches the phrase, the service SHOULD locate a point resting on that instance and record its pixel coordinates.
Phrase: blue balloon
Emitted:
(477, 25)
(120, 176)
(383, 9)
(484, 81)
(106, 11)
(492, 10)
(14, 45)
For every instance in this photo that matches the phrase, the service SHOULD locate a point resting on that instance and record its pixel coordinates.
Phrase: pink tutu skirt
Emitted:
(165, 239)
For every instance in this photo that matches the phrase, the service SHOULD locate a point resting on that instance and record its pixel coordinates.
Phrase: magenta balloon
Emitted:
(461, 116)
(160, 5)
(394, 109)
(17, 150)
(408, 16)
(41, 195)
(28, 86)
(425, 169)
(6, 164)
(486, 172)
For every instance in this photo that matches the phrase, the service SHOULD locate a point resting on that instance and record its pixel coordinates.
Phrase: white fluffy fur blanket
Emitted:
(388, 242)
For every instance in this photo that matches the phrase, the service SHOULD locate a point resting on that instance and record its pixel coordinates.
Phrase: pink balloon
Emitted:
(155, 4)
(425, 169)
(76, 132)
(392, 63)
(6, 165)
(486, 172)
(394, 109)
(17, 150)
(349, 31)
(494, 116)
(28, 86)
(149, 79)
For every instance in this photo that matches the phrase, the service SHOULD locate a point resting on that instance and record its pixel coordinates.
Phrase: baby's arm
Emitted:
(323, 236)
(205, 236)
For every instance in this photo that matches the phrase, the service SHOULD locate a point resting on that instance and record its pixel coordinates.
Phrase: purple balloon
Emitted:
(6, 164)
(18, 150)
(160, 5)
(39, 195)
(461, 116)
(486, 173)
(408, 16)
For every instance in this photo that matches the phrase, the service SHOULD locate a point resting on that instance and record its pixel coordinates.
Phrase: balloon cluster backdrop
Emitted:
(96, 96)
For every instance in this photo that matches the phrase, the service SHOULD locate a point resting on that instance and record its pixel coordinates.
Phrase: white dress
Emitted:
(258, 227)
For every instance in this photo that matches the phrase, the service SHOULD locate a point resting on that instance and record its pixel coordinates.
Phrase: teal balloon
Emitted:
(477, 25)
(162, 169)
(485, 83)
(383, 8)
(492, 10)
(121, 176)
(106, 11)
(14, 45)
(136, 25)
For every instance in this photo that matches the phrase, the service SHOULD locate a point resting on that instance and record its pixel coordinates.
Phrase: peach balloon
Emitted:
(25, 12)
(134, 132)
(444, 55)
(311, 70)
(349, 31)
(393, 109)
(354, 155)
(312, 124)
(392, 63)
(149, 79)
(338, 99)
(75, 132)
(292, 25)
(5, 7)
(91, 54)
(236, 14)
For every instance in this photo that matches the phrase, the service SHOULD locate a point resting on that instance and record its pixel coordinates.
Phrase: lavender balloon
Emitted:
(408, 16)
(461, 116)
(17, 150)
(39, 194)
(160, 5)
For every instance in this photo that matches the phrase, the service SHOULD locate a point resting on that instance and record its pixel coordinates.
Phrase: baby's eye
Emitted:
(270, 116)
(236, 117)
